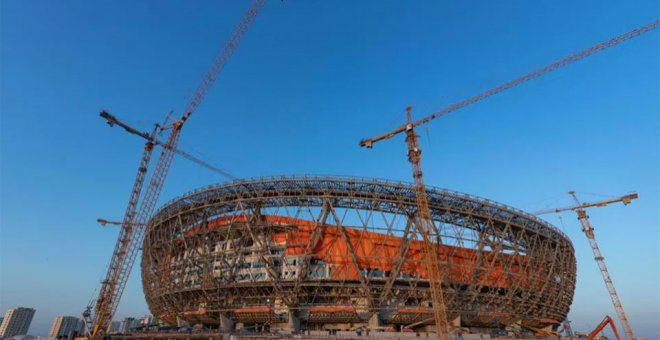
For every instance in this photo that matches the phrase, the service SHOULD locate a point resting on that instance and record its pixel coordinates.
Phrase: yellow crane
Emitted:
(598, 256)
(424, 223)
(98, 315)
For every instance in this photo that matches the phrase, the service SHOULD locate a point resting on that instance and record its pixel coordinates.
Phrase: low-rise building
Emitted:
(129, 324)
(63, 326)
(115, 327)
(147, 321)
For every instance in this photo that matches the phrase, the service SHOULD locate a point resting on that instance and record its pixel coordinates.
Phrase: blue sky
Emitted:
(309, 80)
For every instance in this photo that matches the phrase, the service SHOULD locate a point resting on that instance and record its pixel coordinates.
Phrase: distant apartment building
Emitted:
(65, 325)
(115, 327)
(16, 322)
(129, 324)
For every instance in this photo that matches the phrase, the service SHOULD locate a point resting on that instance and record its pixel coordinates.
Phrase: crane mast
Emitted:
(97, 321)
(588, 230)
(132, 230)
(429, 232)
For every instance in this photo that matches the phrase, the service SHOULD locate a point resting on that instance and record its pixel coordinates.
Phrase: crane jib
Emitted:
(368, 142)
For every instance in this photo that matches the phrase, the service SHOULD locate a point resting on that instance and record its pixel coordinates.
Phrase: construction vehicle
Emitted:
(131, 234)
(423, 223)
(598, 256)
(606, 321)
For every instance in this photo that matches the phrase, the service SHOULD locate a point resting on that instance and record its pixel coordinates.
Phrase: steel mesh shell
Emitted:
(333, 250)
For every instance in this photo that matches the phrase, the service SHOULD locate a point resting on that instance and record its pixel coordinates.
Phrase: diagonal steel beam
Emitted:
(313, 240)
(351, 254)
(399, 259)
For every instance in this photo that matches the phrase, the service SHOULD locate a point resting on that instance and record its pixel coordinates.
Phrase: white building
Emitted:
(16, 322)
(65, 325)
(115, 327)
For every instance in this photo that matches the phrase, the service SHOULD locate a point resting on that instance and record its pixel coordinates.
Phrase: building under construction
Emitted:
(312, 253)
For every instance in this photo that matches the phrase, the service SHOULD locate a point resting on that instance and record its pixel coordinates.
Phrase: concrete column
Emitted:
(181, 322)
(374, 321)
(514, 327)
(226, 325)
(293, 321)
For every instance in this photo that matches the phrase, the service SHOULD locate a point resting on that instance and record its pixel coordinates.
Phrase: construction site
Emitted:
(314, 257)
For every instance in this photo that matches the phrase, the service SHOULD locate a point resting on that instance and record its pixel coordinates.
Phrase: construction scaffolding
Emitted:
(339, 253)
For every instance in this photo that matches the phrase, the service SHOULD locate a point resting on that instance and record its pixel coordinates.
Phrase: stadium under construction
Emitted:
(341, 254)
(337, 253)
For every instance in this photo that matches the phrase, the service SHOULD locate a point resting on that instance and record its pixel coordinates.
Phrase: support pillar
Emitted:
(293, 321)
(514, 328)
(374, 321)
(226, 324)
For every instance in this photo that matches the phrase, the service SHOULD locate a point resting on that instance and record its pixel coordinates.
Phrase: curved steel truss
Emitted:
(310, 251)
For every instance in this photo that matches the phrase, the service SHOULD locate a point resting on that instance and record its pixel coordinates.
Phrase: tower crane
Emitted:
(131, 233)
(598, 256)
(414, 156)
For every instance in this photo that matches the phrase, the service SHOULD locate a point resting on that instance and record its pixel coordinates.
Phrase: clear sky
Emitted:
(309, 80)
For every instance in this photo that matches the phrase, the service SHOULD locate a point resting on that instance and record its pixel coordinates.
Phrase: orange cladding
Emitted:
(378, 251)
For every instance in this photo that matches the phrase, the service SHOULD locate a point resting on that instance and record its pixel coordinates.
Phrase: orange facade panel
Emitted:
(195, 312)
(252, 310)
(377, 251)
(413, 310)
(332, 309)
